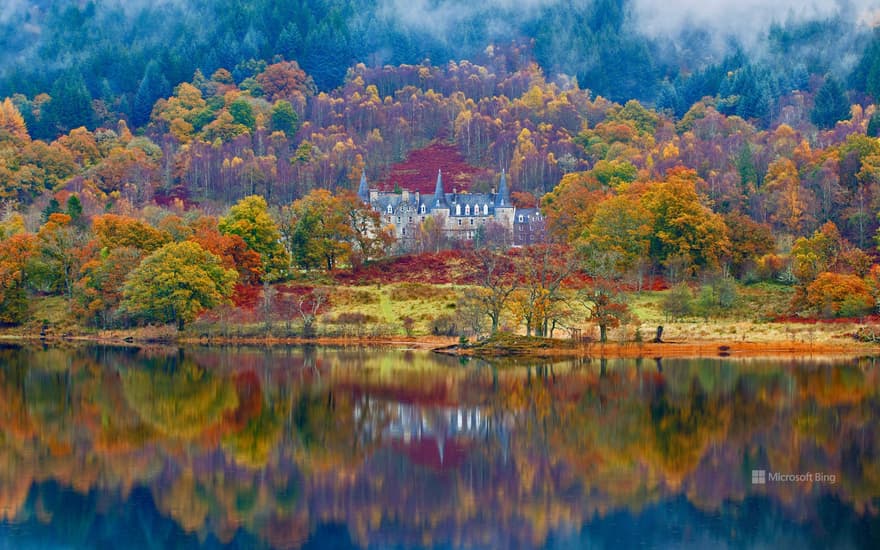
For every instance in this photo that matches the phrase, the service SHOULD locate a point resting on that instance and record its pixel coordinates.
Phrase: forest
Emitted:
(131, 158)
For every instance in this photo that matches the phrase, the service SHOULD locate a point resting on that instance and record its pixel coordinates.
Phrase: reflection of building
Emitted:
(463, 215)
(434, 436)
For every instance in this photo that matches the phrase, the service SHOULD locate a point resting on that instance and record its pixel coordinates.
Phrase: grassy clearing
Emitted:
(379, 310)
(389, 304)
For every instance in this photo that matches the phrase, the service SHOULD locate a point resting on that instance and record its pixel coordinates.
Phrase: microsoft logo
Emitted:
(759, 477)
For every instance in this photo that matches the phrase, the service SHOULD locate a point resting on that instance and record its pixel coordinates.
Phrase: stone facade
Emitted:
(463, 214)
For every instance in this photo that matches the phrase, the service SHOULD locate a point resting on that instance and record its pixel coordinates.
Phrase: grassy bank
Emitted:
(425, 315)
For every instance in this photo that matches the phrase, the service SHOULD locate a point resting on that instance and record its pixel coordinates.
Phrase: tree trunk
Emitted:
(659, 338)
(603, 333)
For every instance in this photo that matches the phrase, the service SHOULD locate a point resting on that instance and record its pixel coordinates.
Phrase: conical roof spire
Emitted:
(502, 199)
(363, 189)
(439, 200)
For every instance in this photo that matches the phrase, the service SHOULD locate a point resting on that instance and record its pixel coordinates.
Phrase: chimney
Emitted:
(405, 195)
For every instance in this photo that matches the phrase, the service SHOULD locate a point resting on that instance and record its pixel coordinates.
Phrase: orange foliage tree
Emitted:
(15, 252)
(839, 295)
(113, 231)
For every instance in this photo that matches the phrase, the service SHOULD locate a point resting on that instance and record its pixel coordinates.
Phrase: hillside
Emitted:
(127, 55)
(418, 172)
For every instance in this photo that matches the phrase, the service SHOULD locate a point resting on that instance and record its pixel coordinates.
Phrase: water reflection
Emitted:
(312, 447)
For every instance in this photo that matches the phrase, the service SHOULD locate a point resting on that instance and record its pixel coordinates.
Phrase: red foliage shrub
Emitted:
(246, 296)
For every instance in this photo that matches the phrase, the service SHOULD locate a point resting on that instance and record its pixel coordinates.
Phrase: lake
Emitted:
(307, 447)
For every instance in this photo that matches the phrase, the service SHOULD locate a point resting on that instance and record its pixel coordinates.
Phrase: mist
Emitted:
(741, 22)
(744, 22)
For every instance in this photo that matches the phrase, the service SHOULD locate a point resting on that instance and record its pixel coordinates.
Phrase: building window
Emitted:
(458, 210)
(423, 209)
(404, 231)
(390, 210)
(467, 210)
(485, 209)
(472, 221)
(422, 218)
(398, 220)
(520, 218)
(410, 219)
(388, 217)
(459, 222)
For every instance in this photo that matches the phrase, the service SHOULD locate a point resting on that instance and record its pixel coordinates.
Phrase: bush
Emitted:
(408, 324)
(444, 325)
(677, 303)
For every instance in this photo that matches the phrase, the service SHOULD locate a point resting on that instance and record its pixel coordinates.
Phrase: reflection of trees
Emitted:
(181, 402)
(683, 427)
(275, 445)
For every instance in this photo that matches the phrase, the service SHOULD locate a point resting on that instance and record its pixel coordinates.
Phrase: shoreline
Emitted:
(687, 350)
(533, 347)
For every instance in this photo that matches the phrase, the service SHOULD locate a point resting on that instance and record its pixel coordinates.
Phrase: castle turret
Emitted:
(438, 201)
(504, 210)
(363, 189)
(502, 198)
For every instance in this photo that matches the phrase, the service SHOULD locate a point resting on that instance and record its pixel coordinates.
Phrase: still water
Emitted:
(363, 448)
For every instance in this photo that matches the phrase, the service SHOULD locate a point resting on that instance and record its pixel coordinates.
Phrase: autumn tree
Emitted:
(177, 282)
(812, 255)
(605, 305)
(114, 231)
(60, 253)
(749, 240)
(285, 80)
(617, 240)
(12, 125)
(540, 302)
(569, 207)
(370, 239)
(249, 219)
(98, 292)
(496, 281)
(231, 249)
(839, 295)
(318, 231)
(787, 200)
(15, 252)
(684, 227)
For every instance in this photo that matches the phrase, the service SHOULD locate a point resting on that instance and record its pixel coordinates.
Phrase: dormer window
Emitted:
(520, 218)
(467, 210)
(485, 209)
(458, 210)
(390, 209)
(423, 209)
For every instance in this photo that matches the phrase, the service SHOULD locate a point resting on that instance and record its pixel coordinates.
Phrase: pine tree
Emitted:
(152, 87)
(71, 104)
(830, 105)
